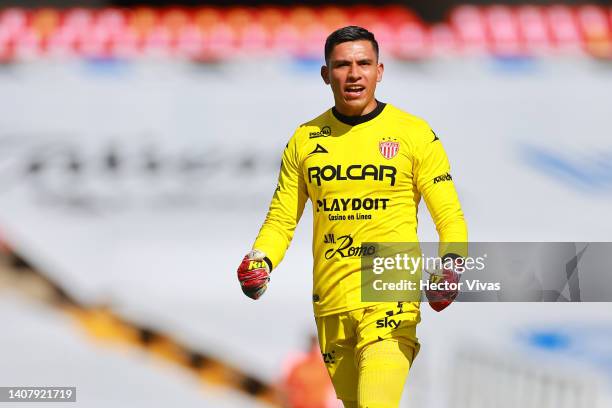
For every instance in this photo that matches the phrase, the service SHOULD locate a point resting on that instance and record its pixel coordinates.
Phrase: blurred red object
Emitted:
(13, 27)
(564, 28)
(143, 20)
(333, 18)
(443, 40)
(271, 17)
(534, 30)
(503, 31)
(44, 22)
(364, 16)
(13, 20)
(216, 33)
(396, 15)
(306, 383)
(470, 28)
(7, 52)
(249, 33)
(216, 38)
(387, 38)
(413, 41)
(175, 20)
(303, 35)
(596, 30)
(206, 17)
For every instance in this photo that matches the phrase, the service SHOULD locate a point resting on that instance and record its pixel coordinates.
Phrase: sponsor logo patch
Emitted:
(388, 148)
(324, 132)
(443, 177)
(329, 358)
(351, 204)
(345, 247)
(352, 172)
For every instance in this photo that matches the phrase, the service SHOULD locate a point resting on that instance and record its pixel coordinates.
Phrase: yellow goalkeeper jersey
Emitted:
(365, 177)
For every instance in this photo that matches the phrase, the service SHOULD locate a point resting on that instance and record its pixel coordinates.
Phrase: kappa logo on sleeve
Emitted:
(443, 177)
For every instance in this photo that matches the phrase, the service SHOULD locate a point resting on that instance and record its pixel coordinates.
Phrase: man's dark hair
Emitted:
(349, 33)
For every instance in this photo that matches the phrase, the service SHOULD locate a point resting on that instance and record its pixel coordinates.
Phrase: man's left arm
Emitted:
(436, 185)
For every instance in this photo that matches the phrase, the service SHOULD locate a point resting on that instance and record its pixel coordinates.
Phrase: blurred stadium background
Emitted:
(139, 144)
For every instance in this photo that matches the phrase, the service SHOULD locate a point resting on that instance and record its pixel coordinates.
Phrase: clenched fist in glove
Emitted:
(254, 274)
(443, 286)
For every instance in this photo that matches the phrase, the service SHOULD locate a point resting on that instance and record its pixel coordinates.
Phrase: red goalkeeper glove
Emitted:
(254, 274)
(447, 287)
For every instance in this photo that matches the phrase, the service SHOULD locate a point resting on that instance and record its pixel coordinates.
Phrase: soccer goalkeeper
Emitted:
(364, 165)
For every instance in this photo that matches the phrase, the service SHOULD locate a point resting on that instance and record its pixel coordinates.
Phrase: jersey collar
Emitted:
(357, 120)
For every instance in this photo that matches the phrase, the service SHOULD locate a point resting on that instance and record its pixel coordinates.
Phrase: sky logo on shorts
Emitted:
(388, 321)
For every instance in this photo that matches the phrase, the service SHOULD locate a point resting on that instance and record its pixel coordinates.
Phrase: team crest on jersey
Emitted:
(388, 148)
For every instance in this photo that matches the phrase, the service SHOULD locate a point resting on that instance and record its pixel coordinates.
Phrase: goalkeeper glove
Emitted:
(447, 286)
(254, 274)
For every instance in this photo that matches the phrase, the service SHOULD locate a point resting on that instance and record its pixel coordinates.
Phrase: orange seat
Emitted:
(333, 17)
(396, 15)
(206, 18)
(364, 16)
(143, 20)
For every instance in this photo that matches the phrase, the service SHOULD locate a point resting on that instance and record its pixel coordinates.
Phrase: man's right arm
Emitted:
(286, 207)
(277, 230)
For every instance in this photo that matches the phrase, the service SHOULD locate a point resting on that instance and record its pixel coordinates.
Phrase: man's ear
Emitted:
(379, 72)
(325, 74)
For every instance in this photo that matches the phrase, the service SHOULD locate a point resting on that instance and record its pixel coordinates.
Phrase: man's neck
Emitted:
(359, 119)
(347, 111)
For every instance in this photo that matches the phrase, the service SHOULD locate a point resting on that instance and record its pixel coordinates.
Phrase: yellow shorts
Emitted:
(344, 336)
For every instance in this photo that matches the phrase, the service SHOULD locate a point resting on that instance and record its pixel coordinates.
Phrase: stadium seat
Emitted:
(534, 30)
(502, 28)
(469, 25)
(333, 17)
(595, 28)
(564, 28)
(221, 33)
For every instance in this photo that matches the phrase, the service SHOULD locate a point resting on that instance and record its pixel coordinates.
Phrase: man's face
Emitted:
(353, 71)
